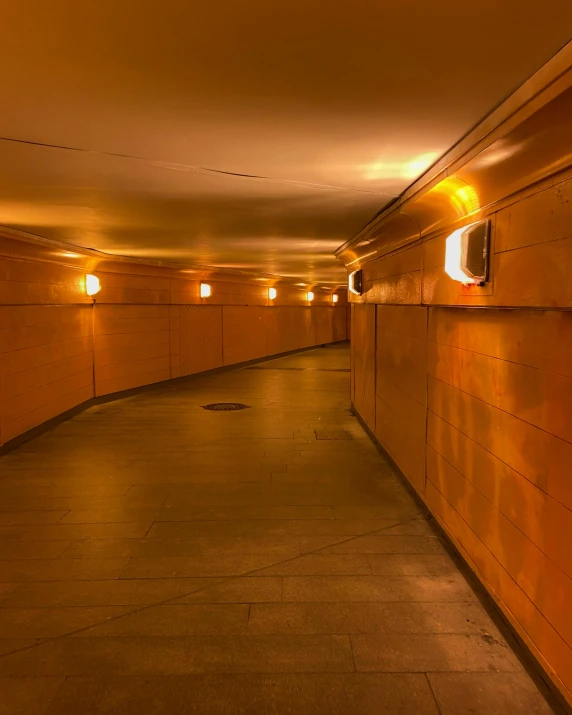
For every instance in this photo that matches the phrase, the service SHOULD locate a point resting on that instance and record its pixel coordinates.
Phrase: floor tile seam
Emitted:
(267, 636)
(138, 676)
(55, 695)
(126, 566)
(167, 601)
(59, 521)
(432, 691)
(223, 603)
(226, 671)
(248, 633)
(39, 558)
(100, 538)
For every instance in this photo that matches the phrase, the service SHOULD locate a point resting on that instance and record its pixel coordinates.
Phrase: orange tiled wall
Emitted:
(58, 349)
(499, 456)
(46, 364)
(475, 405)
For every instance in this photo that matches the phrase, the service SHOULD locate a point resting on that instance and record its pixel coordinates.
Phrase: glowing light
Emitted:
(355, 285)
(310, 296)
(92, 285)
(459, 264)
(334, 298)
(272, 293)
(453, 257)
(205, 290)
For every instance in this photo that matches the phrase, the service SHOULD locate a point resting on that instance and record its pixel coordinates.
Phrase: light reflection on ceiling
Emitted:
(255, 135)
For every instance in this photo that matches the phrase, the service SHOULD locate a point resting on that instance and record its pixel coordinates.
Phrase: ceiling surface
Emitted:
(252, 135)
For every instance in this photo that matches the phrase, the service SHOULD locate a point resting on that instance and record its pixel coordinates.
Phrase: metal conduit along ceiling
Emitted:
(252, 135)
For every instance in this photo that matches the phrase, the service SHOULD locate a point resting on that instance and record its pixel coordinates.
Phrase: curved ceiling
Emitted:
(254, 135)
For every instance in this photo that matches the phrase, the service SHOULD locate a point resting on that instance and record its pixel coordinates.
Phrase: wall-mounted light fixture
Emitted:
(272, 293)
(205, 290)
(467, 254)
(334, 298)
(92, 284)
(355, 282)
(310, 296)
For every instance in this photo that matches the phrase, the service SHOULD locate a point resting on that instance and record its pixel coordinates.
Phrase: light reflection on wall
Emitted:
(465, 200)
(461, 196)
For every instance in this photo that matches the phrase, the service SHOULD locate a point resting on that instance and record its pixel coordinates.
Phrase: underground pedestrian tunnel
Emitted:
(286, 358)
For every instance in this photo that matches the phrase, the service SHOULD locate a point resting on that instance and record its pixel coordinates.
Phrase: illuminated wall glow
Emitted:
(310, 296)
(92, 284)
(272, 293)
(409, 170)
(465, 200)
(334, 298)
(205, 290)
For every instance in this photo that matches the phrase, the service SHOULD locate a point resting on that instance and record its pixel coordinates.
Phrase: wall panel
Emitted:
(244, 333)
(39, 283)
(201, 338)
(401, 387)
(46, 364)
(363, 362)
(131, 346)
(322, 325)
(395, 279)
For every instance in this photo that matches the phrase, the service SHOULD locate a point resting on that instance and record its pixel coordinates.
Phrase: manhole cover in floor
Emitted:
(226, 406)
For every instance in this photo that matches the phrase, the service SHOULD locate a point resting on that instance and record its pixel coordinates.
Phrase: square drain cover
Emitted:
(333, 434)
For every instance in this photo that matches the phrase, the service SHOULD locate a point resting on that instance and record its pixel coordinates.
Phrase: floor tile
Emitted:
(96, 657)
(196, 566)
(318, 694)
(387, 544)
(27, 696)
(411, 565)
(58, 594)
(392, 617)
(432, 653)
(19, 550)
(176, 511)
(61, 569)
(452, 588)
(31, 517)
(200, 546)
(66, 532)
(258, 589)
(321, 565)
(9, 645)
(179, 620)
(487, 694)
(52, 622)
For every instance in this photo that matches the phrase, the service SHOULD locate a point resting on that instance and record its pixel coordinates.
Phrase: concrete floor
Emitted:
(159, 558)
